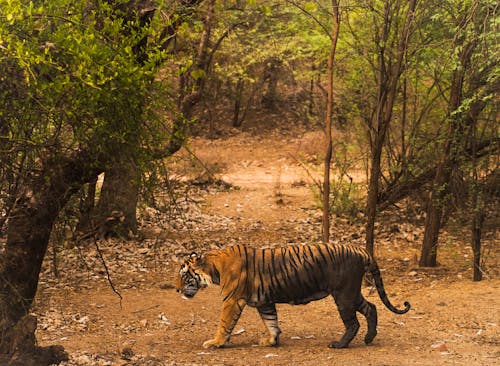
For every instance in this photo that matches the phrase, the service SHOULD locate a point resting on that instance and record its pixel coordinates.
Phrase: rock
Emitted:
(83, 360)
(440, 347)
(239, 331)
(163, 319)
(126, 353)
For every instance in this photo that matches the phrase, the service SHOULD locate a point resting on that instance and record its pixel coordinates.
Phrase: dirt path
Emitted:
(452, 321)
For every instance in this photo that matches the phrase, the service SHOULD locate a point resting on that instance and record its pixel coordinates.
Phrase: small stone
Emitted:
(127, 353)
(163, 319)
(440, 347)
(83, 360)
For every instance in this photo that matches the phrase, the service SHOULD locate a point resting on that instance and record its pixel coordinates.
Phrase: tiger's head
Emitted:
(192, 277)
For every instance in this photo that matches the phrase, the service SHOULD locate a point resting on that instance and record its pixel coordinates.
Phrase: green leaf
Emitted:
(198, 74)
(266, 10)
(310, 7)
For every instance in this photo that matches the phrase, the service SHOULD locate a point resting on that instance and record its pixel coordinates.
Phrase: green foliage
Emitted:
(262, 31)
(347, 199)
(70, 78)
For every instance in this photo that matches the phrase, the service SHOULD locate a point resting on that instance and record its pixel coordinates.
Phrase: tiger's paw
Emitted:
(213, 343)
(369, 337)
(338, 345)
(269, 342)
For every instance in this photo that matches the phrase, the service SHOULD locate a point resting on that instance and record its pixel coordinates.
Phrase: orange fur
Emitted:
(294, 274)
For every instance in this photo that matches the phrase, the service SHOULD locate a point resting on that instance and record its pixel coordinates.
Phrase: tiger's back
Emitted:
(292, 274)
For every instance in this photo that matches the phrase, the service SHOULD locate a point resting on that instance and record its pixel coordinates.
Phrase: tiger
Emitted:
(293, 274)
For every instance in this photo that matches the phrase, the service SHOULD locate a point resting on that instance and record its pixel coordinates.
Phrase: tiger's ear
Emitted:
(198, 259)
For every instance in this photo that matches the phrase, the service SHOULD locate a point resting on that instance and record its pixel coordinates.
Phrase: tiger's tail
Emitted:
(375, 271)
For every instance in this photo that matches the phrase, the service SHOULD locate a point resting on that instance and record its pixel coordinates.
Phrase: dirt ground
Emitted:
(453, 321)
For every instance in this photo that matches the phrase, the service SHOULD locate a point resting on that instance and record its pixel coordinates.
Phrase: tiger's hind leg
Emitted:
(270, 318)
(370, 312)
(347, 309)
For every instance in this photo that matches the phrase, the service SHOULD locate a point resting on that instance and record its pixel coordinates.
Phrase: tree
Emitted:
(472, 83)
(72, 98)
(389, 67)
(115, 213)
(328, 124)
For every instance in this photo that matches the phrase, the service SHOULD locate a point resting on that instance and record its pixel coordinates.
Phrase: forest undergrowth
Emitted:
(113, 302)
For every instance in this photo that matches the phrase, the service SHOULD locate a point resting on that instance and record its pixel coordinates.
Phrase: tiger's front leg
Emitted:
(231, 311)
(270, 318)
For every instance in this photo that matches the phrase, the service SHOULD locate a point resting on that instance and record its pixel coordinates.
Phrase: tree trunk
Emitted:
(478, 209)
(388, 81)
(328, 127)
(477, 224)
(271, 70)
(237, 103)
(452, 147)
(372, 198)
(310, 97)
(116, 210)
(428, 257)
(28, 235)
(27, 240)
(87, 208)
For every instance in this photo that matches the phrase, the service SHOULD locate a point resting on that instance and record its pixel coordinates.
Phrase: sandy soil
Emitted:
(453, 321)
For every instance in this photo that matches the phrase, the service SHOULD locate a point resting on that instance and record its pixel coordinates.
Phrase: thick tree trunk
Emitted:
(116, 210)
(27, 240)
(428, 257)
(87, 207)
(28, 234)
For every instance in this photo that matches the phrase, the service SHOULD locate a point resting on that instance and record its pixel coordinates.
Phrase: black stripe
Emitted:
(254, 263)
(261, 280)
(246, 268)
(273, 263)
(292, 260)
(284, 268)
(320, 251)
(329, 250)
(320, 262)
